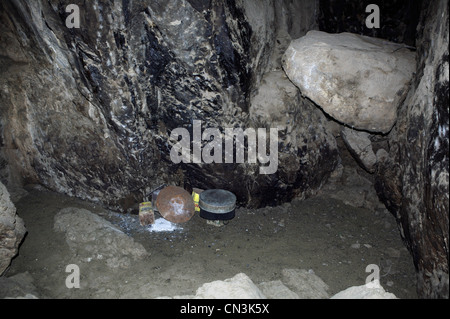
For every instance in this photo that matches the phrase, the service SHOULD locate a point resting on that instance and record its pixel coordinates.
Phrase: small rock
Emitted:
(277, 290)
(306, 284)
(364, 292)
(238, 287)
(12, 230)
(91, 237)
(360, 146)
(392, 252)
(18, 286)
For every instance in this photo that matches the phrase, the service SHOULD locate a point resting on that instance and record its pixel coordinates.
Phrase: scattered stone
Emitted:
(364, 292)
(305, 283)
(238, 287)
(91, 237)
(295, 284)
(382, 155)
(360, 146)
(27, 296)
(392, 252)
(277, 290)
(358, 80)
(353, 190)
(18, 286)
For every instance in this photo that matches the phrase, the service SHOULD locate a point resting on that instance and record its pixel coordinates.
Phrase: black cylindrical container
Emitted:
(217, 204)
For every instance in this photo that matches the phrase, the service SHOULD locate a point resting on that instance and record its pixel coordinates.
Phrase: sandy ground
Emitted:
(322, 234)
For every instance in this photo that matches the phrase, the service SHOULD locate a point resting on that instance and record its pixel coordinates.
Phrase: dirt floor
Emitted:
(333, 239)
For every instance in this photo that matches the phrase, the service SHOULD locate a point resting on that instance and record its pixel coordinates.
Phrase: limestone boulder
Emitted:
(367, 291)
(276, 289)
(91, 237)
(12, 230)
(308, 152)
(358, 80)
(305, 283)
(237, 287)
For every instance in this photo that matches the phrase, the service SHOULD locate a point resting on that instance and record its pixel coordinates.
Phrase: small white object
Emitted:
(162, 225)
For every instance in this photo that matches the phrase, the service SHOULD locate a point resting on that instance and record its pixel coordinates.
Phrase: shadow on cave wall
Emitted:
(398, 19)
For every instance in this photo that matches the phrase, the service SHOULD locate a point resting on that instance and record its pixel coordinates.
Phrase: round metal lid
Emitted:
(217, 201)
(175, 204)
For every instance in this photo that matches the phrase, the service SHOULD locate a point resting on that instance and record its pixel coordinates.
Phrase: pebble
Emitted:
(392, 252)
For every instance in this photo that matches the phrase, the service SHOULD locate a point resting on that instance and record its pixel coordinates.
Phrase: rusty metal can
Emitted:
(175, 204)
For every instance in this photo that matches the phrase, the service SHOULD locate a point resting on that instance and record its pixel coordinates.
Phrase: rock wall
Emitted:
(89, 111)
(12, 230)
(413, 179)
(411, 170)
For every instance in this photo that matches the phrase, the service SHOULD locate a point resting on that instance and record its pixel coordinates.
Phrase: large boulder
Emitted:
(308, 151)
(12, 230)
(360, 81)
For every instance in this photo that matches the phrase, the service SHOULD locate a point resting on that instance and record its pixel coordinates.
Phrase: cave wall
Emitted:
(89, 111)
(413, 181)
(398, 18)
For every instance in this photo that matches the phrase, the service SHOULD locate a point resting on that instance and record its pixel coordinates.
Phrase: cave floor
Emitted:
(335, 240)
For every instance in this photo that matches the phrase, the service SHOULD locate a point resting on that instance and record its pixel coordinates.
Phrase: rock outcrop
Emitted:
(412, 180)
(89, 112)
(359, 81)
(12, 230)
